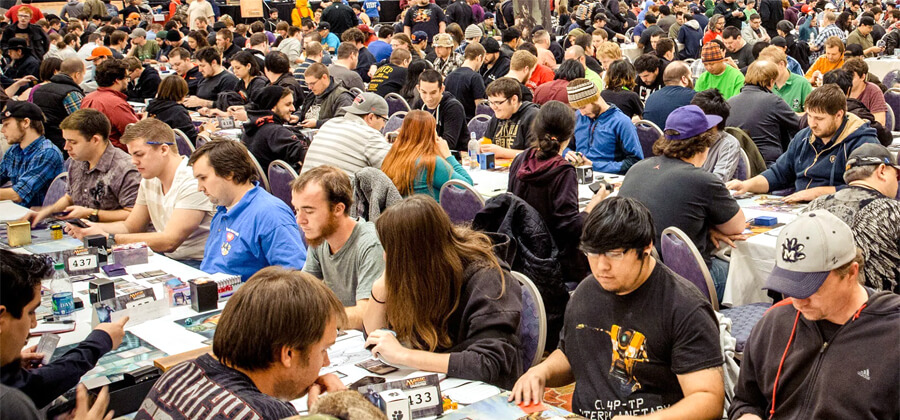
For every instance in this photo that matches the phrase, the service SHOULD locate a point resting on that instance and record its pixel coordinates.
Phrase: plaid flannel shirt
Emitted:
(31, 170)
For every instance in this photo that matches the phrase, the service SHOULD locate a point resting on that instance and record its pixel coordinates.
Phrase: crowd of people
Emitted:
(779, 91)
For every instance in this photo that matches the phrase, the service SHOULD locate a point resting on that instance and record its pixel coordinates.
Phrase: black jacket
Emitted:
(498, 70)
(536, 254)
(451, 121)
(47, 382)
(460, 12)
(175, 115)
(37, 39)
(144, 87)
(853, 376)
(332, 102)
(770, 12)
(289, 81)
(523, 117)
(341, 17)
(25, 66)
(193, 78)
(51, 103)
(857, 107)
(268, 139)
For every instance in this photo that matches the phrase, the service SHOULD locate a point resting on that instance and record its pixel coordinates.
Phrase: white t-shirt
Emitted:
(182, 195)
(197, 9)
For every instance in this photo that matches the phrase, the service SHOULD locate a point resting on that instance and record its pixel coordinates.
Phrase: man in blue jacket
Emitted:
(252, 229)
(815, 160)
(604, 136)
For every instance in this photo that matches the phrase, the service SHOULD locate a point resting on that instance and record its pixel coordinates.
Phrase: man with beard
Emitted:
(343, 251)
(265, 134)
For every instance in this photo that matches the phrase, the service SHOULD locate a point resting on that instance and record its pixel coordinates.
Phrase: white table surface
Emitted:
(880, 66)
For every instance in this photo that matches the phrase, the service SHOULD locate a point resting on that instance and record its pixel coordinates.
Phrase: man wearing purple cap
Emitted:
(830, 351)
(680, 193)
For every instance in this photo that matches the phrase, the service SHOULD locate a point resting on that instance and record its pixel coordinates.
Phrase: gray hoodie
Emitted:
(72, 9)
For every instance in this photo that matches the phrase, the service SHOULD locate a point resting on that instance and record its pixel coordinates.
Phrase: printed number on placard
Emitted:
(82, 262)
(422, 397)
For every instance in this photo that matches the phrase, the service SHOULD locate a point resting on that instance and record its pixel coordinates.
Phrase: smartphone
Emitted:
(365, 380)
(600, 184)
(78, 222)
(47, 345)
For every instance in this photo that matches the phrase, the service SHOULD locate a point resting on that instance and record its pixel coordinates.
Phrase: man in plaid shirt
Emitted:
(32, 165)
(829, 29)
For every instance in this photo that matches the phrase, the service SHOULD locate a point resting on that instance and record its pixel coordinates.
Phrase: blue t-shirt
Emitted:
(662, 102)
(257, 232)
(31, 170)
(371, 7)
(381, 50)
(332, 41)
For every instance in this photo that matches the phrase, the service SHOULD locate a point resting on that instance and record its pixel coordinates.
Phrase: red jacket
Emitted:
(12, 13)
(542, 74)
(113, 104)
(552, 91)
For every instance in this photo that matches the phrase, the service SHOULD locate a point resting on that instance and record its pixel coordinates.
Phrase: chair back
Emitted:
(742, 172)
(533, 324)
(263, 179)
(460, 201)
(479, 124)
(280, 176)
(185, 148)
(394, 123)
(355, 91)
(890, 119)
(648, 133)
(890, 78)
(757, 164)
(200, 141)
(892, 98)
(396, 103)
(681, 256)
(483, 108)
(57, 189)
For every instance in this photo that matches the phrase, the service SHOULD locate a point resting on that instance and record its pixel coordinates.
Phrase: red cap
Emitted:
(99, 52)
(805, 9)
(365, 28)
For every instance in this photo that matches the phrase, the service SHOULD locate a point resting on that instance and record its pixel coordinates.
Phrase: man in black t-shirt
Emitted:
(680, 193)
(215, 79)
(424, 16)
(389, 78)
(465, 83)
(637, 338)
(737, 49)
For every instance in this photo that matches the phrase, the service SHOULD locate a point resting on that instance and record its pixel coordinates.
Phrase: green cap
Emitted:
(59, 266)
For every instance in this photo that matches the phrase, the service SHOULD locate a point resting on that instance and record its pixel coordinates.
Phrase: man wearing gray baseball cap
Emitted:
(353, 141)
(830, 350)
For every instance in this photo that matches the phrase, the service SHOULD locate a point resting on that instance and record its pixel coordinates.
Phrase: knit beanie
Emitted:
(582, 92)
(268, 97)
(473, 31)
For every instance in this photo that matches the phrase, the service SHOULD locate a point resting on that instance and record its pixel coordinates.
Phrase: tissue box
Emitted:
(101, 289)
(486, 160)
(584, 174)
(131, 254)
(765, 221)
(178, 292)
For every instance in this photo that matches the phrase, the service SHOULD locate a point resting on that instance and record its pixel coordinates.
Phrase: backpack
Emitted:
(181, 11)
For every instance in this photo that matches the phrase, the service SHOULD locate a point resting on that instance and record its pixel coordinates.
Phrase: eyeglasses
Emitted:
(614, 255)
(496, 104)
(159, 143)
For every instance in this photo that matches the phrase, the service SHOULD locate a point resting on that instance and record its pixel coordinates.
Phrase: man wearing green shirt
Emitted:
(793, 88)
(140, 48)
(727, 79)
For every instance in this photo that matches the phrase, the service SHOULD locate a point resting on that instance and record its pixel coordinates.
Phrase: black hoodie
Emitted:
(518, 125)
(498, 70)
(175, 115)
(451, 121)
(268, 139)
(852, 376)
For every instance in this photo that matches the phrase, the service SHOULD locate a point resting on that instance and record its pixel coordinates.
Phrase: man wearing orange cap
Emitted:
(110, 99)
(98, 55)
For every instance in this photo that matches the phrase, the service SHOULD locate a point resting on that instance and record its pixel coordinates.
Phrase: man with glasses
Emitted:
(167, 198)
(868, 206)
(110, 99)
(663, 357)
(354, 141)
(328, 98)
(510, 127)
(38, 43)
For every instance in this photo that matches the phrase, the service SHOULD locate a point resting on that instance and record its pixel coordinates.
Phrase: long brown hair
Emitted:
(425, 257)
(414, 150)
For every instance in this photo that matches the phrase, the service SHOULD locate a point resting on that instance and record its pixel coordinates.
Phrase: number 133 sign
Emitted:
(423, 394)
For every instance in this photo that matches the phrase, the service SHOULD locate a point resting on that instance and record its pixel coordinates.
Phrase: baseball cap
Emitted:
(854, 50)
(17, 44)
(22, 109)
(368, 103)
(808, 248)
(871, 154)
(488, 15)
(419, 36)
(442, 40)
(490, 45)
(779, 41)
(137, 32)
(99, 52)
(689, 121)
(806, 9)
(134, 15)
(712, 52)
(365, 28)
(323, 26)
(867, 21)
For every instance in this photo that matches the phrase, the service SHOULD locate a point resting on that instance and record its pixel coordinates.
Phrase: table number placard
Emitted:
(81, 261)
(422, 392)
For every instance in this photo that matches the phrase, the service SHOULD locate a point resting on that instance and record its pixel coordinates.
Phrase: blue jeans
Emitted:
(718, 269)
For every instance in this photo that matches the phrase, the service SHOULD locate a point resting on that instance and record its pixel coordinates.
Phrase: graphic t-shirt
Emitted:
(625, 351)
(425, 18)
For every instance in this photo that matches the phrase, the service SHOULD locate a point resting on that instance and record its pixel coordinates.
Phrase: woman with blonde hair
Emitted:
(420, 162)
(449, 305)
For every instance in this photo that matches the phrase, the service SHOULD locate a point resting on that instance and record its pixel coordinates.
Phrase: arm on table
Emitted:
(704, 397)
(554, 371)
(58, 206)
(356, 314)
(181, 225)
(757, 184)
(375, 316)
(500, 152)
(809, 194)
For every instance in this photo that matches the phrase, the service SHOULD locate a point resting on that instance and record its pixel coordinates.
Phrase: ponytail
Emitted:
(547, 145)
(553, 126)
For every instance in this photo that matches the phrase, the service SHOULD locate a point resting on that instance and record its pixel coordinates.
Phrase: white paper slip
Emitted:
(10, 211)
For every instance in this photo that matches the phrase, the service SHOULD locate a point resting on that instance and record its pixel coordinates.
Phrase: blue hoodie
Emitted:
(809, 163)
(610, 141)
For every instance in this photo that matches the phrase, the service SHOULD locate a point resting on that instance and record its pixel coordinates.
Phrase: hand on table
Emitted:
(210, 126)
(802, 196)
(76, 212)
(238, 112)
(601, 195)
(83, 409)
(308, 124)
(737, 185)
(529, 388)
(116, 330)
(30, 358)
(386, 346)
(715, 236)
(325, 383)
(79, 233)
(194, 102)
(578, 159)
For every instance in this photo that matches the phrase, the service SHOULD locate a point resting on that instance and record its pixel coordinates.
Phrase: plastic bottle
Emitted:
(473, 151)
(61, 287)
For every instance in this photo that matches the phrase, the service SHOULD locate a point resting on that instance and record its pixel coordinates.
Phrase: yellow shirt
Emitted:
(823, 66)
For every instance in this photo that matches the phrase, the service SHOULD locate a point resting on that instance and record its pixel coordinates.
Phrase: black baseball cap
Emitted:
(323, 26)
(22, 109)
(871, 154)
(490, 45)
(17, 44)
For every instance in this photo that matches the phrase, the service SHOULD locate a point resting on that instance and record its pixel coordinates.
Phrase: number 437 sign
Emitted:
(81, 261)
(422, 392)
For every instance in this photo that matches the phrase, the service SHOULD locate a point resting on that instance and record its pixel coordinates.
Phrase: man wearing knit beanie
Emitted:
(265, 134)
(719, 74)
(605, 138)
(472, 35)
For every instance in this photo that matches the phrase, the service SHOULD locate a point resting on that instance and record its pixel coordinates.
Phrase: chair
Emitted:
(263, 179)
(680, 255)
(394, 123)
(185, 148)
(757, 164)
(280, 176)
(396, 103)
(482, 107)
(57, 189)
(533, 324)
(200, 141)
(890, 120)
(648, 133)
(356, 91)
(892, 98)
(460, 201)
(743, 167)
(890, 78)
(478, 125)
(630, 34)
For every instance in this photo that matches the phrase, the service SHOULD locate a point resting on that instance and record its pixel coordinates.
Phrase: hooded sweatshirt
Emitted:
(175, 115)
(513, 133)
(451, 121)
(690, 36)
(72, 9)
(609, 140)
(809, 163)
(268, 139)
(854, 375)
(328, 105)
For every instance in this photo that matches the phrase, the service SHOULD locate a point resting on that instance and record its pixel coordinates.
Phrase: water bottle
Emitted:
(61, 289)
(473, 151)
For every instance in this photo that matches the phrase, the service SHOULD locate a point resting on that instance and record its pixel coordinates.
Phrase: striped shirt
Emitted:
(347, 143)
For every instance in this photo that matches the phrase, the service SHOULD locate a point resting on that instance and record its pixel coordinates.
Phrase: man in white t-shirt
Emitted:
(168, 197)
(200, 8)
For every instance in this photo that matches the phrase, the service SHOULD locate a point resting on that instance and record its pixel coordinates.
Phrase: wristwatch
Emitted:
(95, 216)
(111, 240)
